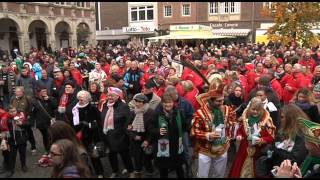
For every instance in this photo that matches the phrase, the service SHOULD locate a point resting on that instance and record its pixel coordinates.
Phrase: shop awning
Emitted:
(189, 36)
(116, 37)
(231, 32)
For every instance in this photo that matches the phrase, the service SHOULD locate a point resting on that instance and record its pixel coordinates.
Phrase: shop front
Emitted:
(191, 35)
(139, 34)
(240, 31)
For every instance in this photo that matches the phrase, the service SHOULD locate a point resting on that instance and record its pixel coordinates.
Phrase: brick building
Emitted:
(237, 19)
(40, 24)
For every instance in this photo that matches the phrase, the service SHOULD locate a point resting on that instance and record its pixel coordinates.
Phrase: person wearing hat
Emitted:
(213, 140)
(142, 116)
(67, 100)
(7, 85)
(115, 118)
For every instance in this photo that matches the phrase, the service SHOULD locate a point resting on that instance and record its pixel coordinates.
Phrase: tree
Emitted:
(293, 22)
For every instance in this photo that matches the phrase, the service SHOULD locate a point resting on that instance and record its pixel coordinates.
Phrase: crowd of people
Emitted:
(256, 106)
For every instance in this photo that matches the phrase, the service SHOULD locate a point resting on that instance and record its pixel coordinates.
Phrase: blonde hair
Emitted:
(256, 103)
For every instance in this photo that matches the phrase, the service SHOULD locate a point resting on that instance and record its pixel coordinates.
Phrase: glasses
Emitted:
(54, 154)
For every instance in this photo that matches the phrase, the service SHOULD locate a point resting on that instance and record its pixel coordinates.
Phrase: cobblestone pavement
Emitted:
(34, 171)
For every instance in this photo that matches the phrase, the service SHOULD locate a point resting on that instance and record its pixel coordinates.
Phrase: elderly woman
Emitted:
(87, 123)
(138, 134)
(115, 117)
(255, 132)
(166, 130)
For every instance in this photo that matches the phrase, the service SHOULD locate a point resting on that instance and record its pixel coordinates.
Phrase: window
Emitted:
(80, 4)
(150, 13)
(235, 7)
(134, 14)
(142, 13)
(167, 11)
(229, 7)
(186, 10)
(226, 7)
(213, 7)
(60, 3)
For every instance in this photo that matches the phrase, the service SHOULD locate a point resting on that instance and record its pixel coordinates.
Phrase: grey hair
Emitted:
(84, 94)
(171, 89)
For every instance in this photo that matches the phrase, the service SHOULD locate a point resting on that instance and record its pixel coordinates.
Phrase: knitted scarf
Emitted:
(63, 103)
(138, 124)
(75, 112)
(254, 120)
(218, 119)
(108, 120)
(163, 142)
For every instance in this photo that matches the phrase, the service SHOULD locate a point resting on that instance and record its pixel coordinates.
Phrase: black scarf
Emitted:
(237, 101)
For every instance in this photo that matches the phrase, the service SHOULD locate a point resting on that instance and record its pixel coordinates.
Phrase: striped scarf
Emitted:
(138, 124)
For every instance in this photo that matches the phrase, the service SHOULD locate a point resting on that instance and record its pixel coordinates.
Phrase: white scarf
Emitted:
(138, 123)
(75, 112)
(108, 120)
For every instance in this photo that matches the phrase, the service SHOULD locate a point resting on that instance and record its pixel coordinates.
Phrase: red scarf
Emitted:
(64, 100)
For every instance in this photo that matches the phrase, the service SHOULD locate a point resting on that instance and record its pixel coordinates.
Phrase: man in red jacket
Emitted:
(308, 61)
(76, 74)
(303, 80)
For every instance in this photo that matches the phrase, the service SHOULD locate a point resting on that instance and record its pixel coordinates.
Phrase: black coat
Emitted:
(147, 119)
(41, 118)
(175, 159)
(117, 139)
(312, 113)
(89, 114)
(299, 152)
(67, 116)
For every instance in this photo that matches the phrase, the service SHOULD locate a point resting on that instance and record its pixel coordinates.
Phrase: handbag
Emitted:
(4, 145)
(99, 148)
(52, 119)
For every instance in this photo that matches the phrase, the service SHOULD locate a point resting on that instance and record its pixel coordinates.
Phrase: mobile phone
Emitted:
(274, 172)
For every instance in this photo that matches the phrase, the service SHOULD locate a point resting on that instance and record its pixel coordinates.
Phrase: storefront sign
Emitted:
(224, 25)
(138, 29)
(188, 27)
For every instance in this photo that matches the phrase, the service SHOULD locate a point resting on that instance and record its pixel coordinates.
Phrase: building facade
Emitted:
(111, 18)
(238, 19)
(42, 24)
(131, 21)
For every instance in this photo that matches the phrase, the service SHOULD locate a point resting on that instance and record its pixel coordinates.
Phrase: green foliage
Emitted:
(294, 21)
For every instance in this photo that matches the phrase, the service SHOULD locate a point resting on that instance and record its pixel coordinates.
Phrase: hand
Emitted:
(287, 170)
(18, 122)
(137, 138)
(46, 97)
(163, 131)
(213, 135)
(260, 141)
(130, 86)
(130, 127)
(1, 82)
(239, 138)
(145, 143)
